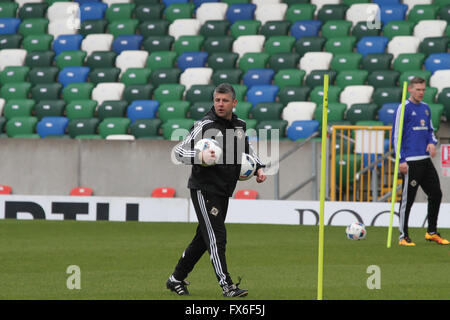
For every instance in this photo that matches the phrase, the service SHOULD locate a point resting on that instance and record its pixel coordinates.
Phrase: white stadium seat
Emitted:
(2, 104)
(12, 57)
(131, 59)
(62, 27)
(298, 110)
(362, 12)
(356, 94)
(211, 11)
(270, 12)
(194, 76)
(315, 61)
(440, 79)
(258, 2)
(412, 3)
(320, 3)
(108, 91)
(97, 42)
(403, 44)
(110, 2)
(244, 44)
(63, 11)
(429, 28)
(184, 27)
(128, 137)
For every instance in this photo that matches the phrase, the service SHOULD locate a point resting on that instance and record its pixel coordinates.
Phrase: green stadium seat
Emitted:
(408, 75)
(182, 125)
(33, 26)
(245, 28)
(218, 44)
(165, 76)
(377, 61)
(98, 75)
(332, 12)
(10, 41)
(423, 12)
(79, 109)
(46, 91)
(2, 127)
(15, 91)
(275, 28)
(338, 45)
(232, 76)
(383, 78)
(20, 126)
(336, 28)
(123, 27)
(49, 108)
(300, 11)
(409, 61)
(73, 58)
(362, 112)
(214, 28)
(289, 77)
(134, 92)
(161, 60)
(348, 165)
(386, 95)
(309, 44)
(158, 43)
(444, 99)
(222, 60)
(111, 126)
(14, 74)
(279, 61)
(265, 128)
(267, 111)
(32, 10)
(174, 109)
(112, 109)
(8, 9)
(82, 127)
(444, 12)
(119, 11)
(315, 78)
(430, 95)
(253, 60)
(434, 45)
(43, 75)
(279, 44)
(146, 128)
(135, 76)
(346, 61)
(334, 92)
(200, 93)
(240, 90)
(154, 28)
(437, 111)
(150, 11)
(38, 42)
(398, 28)
(78, 91)
(169, 92)
(101, 59)
(293, 93)
(18, 108)
(39, 59)
(188, 43)
(336, 112)
(93, 27)
(198, 109)
(351, 78)
(361, 30)
(179, 11)
(242, 109)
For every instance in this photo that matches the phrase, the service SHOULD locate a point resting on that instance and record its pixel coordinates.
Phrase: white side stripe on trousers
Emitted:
(402, 209)
(212, 240)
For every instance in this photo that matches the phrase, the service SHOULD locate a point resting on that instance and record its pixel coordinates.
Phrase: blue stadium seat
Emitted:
(92, 10)
(392, 12)
(52, 126)
(9, 25)
(67, 42)
(257, 77)
(386, 112)
(306, 28)
(262, 93)
(386, 2)
(240, 11)
(142, 109)
(169, 2)
(127, 42)
(86, 1)
(372, 44)
(191, 59)
(302, 129)
(73, 74)
(437, 61)
(198, 3)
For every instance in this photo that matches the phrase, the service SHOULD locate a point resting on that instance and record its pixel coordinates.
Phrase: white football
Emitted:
(205, 144)
(248, 167)
(356, 231)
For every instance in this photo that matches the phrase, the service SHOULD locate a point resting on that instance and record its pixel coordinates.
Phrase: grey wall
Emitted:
(134, 168)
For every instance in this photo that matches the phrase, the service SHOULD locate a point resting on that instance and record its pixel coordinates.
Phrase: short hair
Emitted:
(225, 88)
(416, 80)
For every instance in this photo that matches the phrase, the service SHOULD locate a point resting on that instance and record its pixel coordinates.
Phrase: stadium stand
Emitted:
(140, 53)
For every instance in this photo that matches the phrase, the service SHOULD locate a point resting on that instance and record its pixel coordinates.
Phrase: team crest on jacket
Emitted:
(214, 211)
(413, 183)
(422, 123)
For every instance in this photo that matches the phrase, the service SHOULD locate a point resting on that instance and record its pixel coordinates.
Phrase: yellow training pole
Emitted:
(397, 157)
(322, 186)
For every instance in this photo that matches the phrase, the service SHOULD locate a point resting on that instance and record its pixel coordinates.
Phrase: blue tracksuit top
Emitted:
(418, 131)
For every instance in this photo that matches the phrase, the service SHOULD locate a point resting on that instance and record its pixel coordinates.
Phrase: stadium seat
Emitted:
(258, 77)
(49, 108)
(67, 43)
(240, 11)
(46, 91)
(12, 57)
(305, 28)
(300, 11)
(386, 95)
(79, 109)
(19, 126)
(108, 91)
(392, 12)
(409, 61)
(267, 111)
(161, 60)
(245, 44)
(211, 11)
(64, 26)
(279, 61)
(192, 60)
(398, 28)
(112, 109)
(176, 11)
(18, 108)
(188, 43)
(222, 60)
(302, 129)
(193, 76)
(316, 77)
(39, 42)
(383, 78)
(377, 61)
(77, 91)
(288, 94)
(92, 11)
(127, 42)
(134, 92)
(403, 44)
(315, 61)
(287, 77)
(262, 93)
(361, 112)
(336, 28)
(362, 29)
(4, 189)
(366, 12)
(316, 94)
(346, 61)
(340, 45)
(133, 76)
(214, 28)
(200, 93)
(440, 80)
(32, 10)
(154, 28)
(119, 11)
(142, 109)
(246, 194)
(437, 61)
(336, 112)
(430, 28)
(232, 76)
(83, 127)
(434, 45)
(279, 44)
(174, 109)
(149, 11)
(81, 191)
(52, 126)
(165, 76)
(356, 94)
(8, 9)
(386, 112)
(270, 12)
(73, 58)
(131, 59)
(422, 12)
(163, 192)
(370, 45)
(176, 129)
(43, 75)
(309, 44)
(218, 44)
(169, 92)
(297, 110)
(436, 113)
(10, 41)
(408, 75)
(184, 27)
(351, 77)
(9, 25)
(145, 128)
(15, 91)
(253, 60)
(73, 75)
(97, 42)
(111, 126)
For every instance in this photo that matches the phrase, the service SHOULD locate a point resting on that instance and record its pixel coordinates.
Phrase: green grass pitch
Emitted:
(132, 260)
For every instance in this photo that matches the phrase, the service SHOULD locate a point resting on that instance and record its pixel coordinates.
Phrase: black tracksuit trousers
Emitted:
(420, 173)
(210, 236)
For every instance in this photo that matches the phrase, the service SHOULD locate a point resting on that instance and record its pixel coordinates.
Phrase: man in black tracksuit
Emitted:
(212, 186)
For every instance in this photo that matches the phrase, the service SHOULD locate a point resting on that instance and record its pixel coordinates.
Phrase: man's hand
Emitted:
(207, 157)
(431, 149)
(403, 167)
(260, 176)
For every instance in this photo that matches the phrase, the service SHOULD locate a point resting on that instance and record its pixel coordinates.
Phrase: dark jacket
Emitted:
(221, 178)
